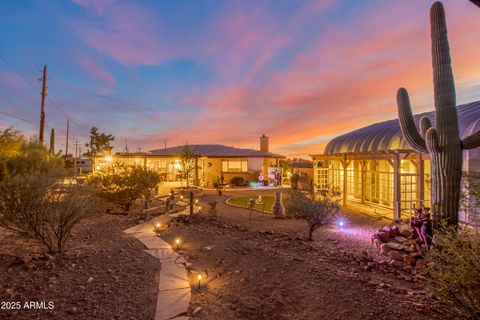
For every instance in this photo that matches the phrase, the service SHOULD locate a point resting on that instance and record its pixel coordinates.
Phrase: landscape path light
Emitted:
(177, 242)
(199, 277)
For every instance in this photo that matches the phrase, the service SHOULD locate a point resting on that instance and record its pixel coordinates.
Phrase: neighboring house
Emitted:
(84, 165)
(213, 161)
(304, 169)
(375, 167)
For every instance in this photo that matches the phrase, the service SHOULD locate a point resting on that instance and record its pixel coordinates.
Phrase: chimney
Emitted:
(264, 143)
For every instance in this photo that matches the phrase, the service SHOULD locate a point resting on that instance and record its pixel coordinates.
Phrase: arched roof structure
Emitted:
(386, 136)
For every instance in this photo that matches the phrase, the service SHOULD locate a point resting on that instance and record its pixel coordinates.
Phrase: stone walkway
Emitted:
(174, 290)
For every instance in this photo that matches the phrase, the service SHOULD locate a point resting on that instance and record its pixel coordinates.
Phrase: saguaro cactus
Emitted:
(52, 141)
(442, 142)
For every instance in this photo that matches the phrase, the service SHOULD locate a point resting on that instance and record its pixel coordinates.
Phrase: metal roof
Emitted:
(215, 151)
(385, 136)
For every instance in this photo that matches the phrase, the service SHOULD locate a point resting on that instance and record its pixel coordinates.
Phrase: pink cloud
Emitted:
(346, 80)
(97, 71)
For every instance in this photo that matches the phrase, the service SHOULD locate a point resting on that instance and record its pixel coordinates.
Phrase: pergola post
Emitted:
(345, 164)
(396, 188)
(420, 180)
(363, 165)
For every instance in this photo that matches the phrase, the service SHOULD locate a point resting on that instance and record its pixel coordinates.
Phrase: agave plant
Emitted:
(442, 142)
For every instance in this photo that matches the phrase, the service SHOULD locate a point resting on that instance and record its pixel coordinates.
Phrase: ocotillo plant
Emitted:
(52, 141)
(442, 142)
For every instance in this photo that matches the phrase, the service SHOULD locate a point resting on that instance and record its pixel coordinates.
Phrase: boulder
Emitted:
(408, 260)
(396, 263)
(384, 248)
(396, 246)
(400, 239)
(396, 255)
(383, 236)
(407, 233)
(395, 231)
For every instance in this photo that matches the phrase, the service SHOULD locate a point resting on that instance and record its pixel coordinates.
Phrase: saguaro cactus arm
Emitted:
(407, 125)
(472, 141)
(432, 141)
(425, 124)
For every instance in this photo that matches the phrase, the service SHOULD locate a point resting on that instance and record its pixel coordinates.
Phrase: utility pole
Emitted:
(75, 159)
(42, 112)
(165, 143)
(66, 145)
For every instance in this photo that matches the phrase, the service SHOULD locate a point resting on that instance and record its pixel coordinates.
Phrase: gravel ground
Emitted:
(261, 268)
(104, 275)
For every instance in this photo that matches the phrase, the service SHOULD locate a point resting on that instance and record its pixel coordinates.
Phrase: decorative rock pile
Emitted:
(399, 246)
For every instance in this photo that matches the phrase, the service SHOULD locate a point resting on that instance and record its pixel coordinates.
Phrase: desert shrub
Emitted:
(453, 271)
(316, 210)
(29, 157)
(123, 184)
(294, 180)
(41, 206)
(470, 196)
(237, 181)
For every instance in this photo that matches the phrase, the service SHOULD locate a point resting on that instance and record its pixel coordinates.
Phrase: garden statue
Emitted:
(278, 209)
(443, 141)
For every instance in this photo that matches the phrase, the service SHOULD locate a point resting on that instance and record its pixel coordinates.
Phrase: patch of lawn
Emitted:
(243, 202)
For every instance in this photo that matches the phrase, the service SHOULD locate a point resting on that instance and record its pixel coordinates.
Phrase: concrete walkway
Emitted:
(174, 290)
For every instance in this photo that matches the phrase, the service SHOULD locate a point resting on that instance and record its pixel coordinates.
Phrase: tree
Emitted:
(316, 210)
(123, 184)
(35, 201)
(188, 164)
(11, 142)
(470, 197)
(99, 143)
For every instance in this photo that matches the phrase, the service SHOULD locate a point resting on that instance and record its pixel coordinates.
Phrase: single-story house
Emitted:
(213, 162)
(375, 168)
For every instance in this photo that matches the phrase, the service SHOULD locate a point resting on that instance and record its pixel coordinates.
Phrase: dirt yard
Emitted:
(261, 268)
(104, 275)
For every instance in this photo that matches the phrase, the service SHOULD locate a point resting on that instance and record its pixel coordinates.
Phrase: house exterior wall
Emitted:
(209, 168)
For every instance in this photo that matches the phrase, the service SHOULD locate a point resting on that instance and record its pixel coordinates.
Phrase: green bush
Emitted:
(35, 200)
(123, 184)
(316, 210)
(294, 180)
(237, 181)
(453, 271)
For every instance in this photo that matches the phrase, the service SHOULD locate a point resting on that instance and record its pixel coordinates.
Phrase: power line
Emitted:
(18, 72)
(18, 118)
(52, 103)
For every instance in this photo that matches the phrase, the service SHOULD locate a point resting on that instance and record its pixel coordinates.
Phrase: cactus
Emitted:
(52, 142)
(442, 142)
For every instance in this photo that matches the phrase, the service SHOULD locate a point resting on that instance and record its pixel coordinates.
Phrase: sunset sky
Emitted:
(225, 72)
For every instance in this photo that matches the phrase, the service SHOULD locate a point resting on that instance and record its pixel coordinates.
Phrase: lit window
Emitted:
(234, 165)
